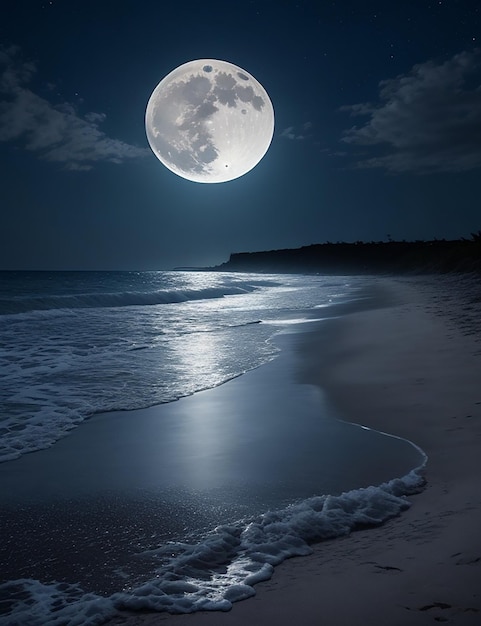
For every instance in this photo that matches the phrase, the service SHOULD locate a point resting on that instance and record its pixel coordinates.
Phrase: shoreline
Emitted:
(125, 482)
(406, 371)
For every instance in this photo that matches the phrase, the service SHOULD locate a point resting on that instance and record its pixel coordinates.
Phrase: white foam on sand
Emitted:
(264, 543)
(222, 569)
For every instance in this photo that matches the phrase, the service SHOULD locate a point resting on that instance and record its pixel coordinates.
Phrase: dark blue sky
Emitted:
(378, 128)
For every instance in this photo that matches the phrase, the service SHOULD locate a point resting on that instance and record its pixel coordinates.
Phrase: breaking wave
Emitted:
(24, 304)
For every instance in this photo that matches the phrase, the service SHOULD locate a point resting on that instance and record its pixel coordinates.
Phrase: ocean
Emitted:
(188, 506)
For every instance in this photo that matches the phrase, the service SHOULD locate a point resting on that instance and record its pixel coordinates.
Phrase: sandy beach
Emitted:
(411, 370)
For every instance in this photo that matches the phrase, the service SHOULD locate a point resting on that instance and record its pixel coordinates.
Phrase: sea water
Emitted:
(75, 344)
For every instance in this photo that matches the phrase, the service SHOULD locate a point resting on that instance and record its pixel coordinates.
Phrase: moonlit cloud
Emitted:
(55, 132)
(428, 120)
(296, 132)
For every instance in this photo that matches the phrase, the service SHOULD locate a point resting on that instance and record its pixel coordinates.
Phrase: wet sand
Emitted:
(126, 482)
(412, 370)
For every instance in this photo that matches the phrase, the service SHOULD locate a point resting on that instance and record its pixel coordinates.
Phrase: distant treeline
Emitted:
(438, 255)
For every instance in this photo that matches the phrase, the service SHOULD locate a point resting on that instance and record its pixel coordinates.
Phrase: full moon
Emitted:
(209, 121)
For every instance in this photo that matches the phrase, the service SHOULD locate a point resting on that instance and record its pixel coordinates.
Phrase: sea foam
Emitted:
(221, 569)
(227, 564)
(65, 357)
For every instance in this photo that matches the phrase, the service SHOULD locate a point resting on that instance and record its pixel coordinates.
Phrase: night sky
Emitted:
(378, 128)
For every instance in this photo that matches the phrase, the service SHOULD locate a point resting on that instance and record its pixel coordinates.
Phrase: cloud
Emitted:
(296, 132)
(428, 120)
(56, 133)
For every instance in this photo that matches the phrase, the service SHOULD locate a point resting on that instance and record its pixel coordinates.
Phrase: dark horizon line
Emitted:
(475, 239)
